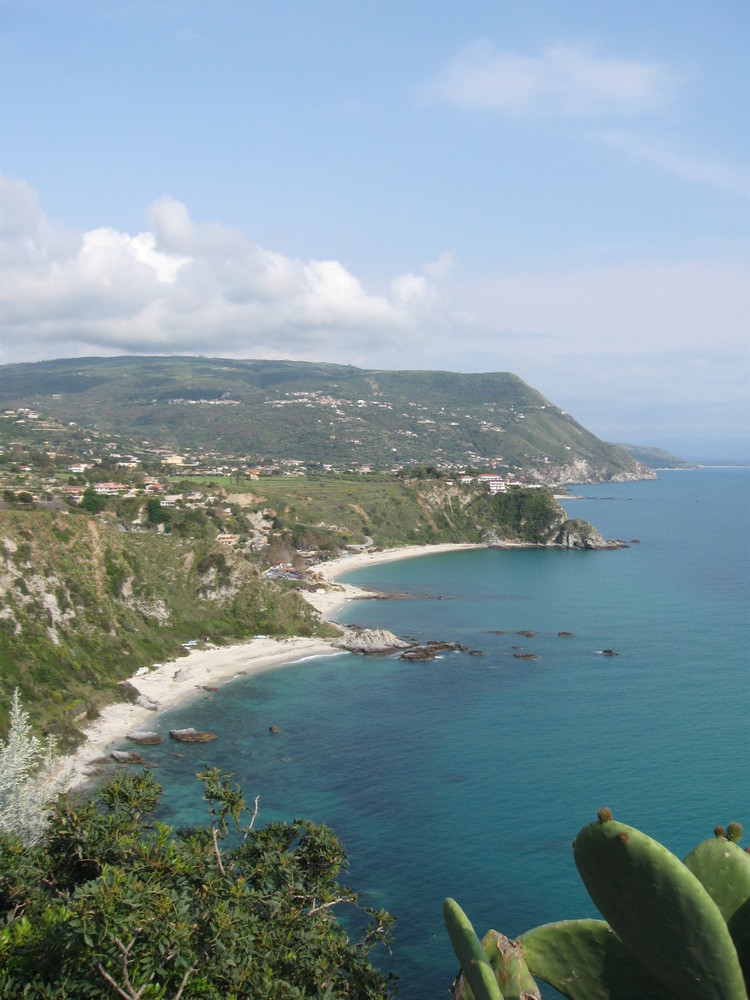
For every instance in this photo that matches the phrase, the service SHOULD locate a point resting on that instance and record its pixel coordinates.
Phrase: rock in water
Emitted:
(370, 641)
(191, 735)
(143, 737)
(127, 757)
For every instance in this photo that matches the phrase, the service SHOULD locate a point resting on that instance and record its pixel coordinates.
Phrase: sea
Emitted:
(469, 775)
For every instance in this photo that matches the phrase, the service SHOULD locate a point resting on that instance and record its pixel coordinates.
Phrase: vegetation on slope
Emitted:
(656, 458)
(89, 594)
(83, 605)
(330, 415)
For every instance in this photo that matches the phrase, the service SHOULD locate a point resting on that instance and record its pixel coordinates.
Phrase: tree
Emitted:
(114, 904)
(92, 501)
(30, 778)
(156, 513)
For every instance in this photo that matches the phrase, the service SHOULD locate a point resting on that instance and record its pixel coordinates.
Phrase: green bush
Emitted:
(114, 903)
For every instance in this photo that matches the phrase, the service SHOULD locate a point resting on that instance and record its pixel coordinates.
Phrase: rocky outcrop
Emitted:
(127, 757)
(370, 641)
(584, 470)
(144, 738)
(191, 735)
(563, 535)
(582, 535)
(432, 649)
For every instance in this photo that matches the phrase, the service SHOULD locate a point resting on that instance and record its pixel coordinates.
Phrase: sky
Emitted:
(560, 190)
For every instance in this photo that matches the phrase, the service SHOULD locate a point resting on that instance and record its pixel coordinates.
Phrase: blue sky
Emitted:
(558, 190)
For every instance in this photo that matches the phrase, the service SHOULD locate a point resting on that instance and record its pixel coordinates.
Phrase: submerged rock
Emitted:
(431, 649)
(127, 757)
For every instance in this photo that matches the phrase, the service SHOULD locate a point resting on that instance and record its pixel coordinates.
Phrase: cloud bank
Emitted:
(181, 286)
(655, 345)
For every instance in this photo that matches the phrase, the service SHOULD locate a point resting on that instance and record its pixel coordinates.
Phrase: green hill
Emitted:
(83, 604)
(316, 414)
(656, 458)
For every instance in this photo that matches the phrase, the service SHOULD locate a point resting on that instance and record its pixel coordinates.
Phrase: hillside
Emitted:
(656, 458)
(84, 604)
(319, 415)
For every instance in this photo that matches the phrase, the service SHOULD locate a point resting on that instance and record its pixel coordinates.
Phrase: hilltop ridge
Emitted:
(318, 415)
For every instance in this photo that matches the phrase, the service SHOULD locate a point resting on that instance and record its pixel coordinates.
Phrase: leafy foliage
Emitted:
(529, 515)
(112, 903)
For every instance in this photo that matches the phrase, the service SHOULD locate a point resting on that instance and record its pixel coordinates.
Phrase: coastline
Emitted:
(178, 681)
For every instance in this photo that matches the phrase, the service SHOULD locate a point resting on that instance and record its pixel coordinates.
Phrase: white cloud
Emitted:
(563, 79)
(606, 343)
(697, 169)
(180, 286)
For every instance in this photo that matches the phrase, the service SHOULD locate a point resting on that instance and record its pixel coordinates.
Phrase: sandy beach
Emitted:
(335, 594)
(176, 682)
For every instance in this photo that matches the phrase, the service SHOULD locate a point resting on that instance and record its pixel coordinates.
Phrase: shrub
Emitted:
(114, 903)
(30, 778)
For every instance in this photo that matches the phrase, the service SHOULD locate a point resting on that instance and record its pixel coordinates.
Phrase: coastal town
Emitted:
(44, 464)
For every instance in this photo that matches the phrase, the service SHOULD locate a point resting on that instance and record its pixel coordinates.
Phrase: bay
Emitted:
(470, 775)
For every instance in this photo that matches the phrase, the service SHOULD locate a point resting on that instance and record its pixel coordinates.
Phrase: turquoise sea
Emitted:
(470, 775)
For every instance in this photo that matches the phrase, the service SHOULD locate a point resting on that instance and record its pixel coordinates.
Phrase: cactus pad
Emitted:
(723, 869)
(509, 965)
(660, 911)
(585, 960)
(470, 953)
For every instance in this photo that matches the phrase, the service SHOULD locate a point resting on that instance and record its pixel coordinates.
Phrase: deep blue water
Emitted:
(470, 775)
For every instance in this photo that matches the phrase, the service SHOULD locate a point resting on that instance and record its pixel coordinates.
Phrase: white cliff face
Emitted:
(582, 470)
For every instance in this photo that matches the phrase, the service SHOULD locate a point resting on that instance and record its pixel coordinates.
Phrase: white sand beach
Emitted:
(336, 594)
(176, 682)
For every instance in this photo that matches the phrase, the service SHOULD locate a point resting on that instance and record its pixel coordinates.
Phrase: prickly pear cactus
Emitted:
(723, 868)
(660, 911)
(509, 965)
(672, 929)
(585, 960)
(470, 953)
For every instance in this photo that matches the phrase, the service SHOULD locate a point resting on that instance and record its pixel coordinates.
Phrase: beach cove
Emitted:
(176, 682)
